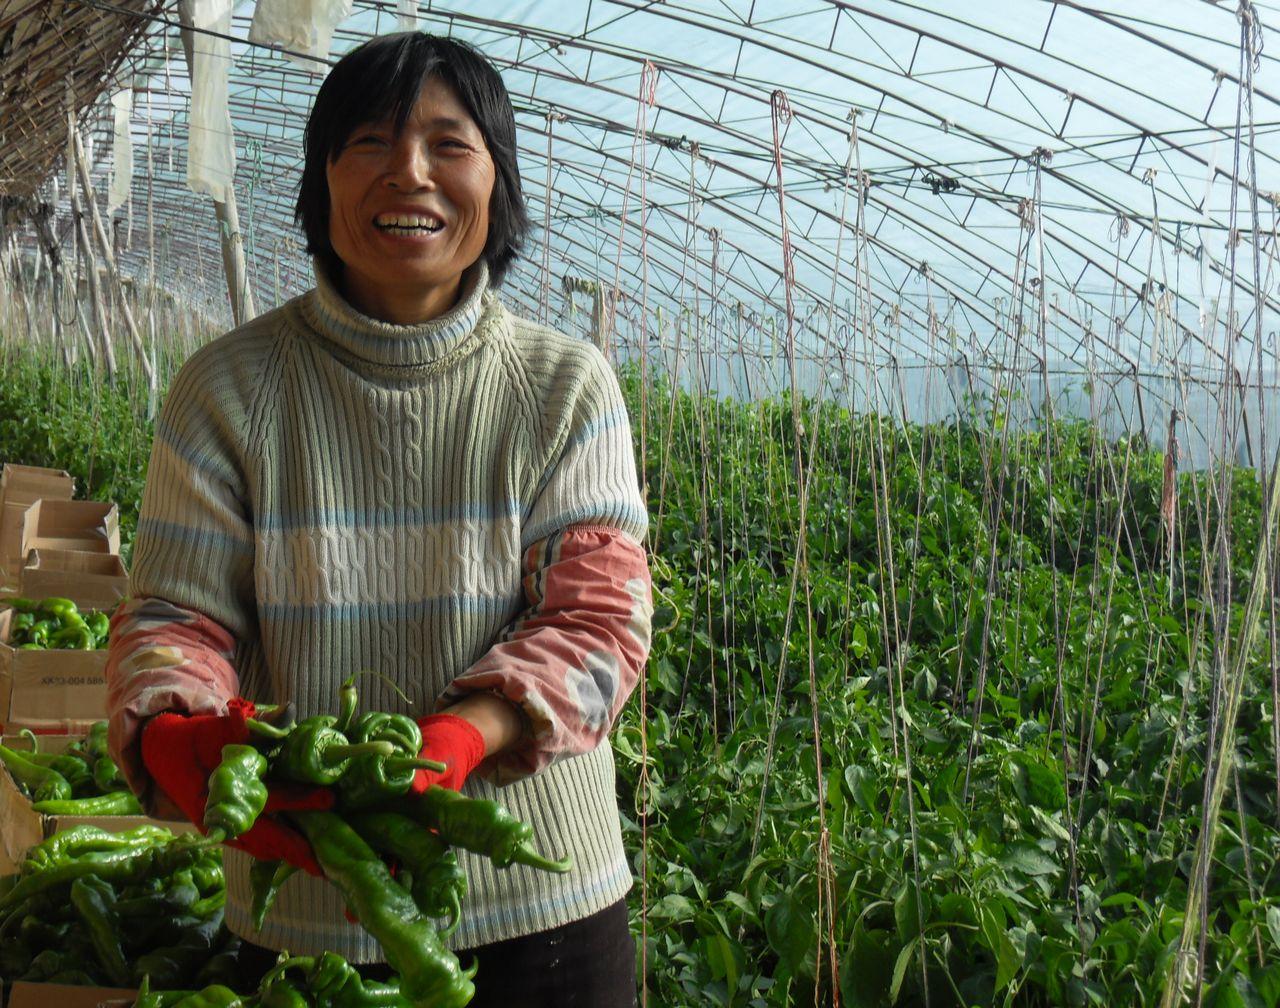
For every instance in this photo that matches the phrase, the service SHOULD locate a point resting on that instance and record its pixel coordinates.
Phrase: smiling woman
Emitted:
(419, 127)
(409, 208)
(392, 472)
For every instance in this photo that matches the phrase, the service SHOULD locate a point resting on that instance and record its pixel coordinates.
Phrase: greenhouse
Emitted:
(657, 502)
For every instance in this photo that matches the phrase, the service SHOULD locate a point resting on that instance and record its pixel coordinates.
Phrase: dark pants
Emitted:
(589, 963)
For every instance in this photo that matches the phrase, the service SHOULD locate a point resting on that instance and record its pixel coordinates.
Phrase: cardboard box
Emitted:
(21, 827)
(21, 484)
(61, 692)
(88, 526)
(20, 487)
(90, 580)
(36, 995)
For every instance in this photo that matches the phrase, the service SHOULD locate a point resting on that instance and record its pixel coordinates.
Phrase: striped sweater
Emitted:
(453, 505)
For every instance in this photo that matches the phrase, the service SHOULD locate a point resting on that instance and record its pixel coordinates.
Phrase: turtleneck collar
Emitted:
(386, 345)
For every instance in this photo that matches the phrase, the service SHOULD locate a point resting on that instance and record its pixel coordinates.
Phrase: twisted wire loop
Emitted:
(648, 96)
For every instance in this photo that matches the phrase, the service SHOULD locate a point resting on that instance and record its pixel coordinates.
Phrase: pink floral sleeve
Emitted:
(162, 657)
(571, 659)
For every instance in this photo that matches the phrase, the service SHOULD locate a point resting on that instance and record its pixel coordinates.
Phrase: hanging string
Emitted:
(544, 292)
(647, 98)
(1228, 667)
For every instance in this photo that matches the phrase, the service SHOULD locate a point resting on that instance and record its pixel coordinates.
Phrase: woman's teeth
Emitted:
(407, 225)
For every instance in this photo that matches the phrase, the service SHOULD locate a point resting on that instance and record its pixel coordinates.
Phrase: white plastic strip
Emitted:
(303, 27)
(121, 152)
(407, 15)
(211, 152)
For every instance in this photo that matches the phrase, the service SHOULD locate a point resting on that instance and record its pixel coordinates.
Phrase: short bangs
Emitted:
(382, 80)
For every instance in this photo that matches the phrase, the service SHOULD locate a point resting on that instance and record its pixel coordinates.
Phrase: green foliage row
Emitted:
(97, 431)
(995, 607)
(999, 609)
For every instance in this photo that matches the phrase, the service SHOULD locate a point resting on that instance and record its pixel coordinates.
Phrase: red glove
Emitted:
(454, 741)
(180, 752)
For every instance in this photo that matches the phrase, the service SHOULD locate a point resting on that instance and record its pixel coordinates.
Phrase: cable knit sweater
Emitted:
(453, 505)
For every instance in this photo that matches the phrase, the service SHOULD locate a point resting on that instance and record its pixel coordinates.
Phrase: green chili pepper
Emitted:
(211, 904)
(317, 753)
(373, 780)
(115, 803)
(40, 631)
(95, 741)
(178, 898)
(75, 841)
(20, 623)
(60, 608)
(174, 965)
(265, 880)
(73, 638)
(44, 783)
(223, 968)
(482, 827)
(106, 775)
(74, 770)
(439, 885)
(36, 932)
(127, 864)
(147, 998)
(216, 996)
(93, 899)
(400, 730)
(100, 624)
(22, 605)
(282, 994)
(207, 872)
(237, 795)
(348, 701)
(429, 973)
(335, 983)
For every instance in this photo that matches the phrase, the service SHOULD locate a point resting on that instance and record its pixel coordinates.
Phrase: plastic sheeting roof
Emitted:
(1090, 147)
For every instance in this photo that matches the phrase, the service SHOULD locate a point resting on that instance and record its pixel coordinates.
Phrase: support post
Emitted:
(95, 289)
(108, 256)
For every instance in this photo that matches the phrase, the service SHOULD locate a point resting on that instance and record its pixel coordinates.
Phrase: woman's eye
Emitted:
(367, 139)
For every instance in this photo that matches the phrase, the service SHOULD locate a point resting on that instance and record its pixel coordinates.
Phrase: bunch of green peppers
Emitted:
(83, 780)
(370, 761)
(93, 907)
(55, 624)
(323, 981)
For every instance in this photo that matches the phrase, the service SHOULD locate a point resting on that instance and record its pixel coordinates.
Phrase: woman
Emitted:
(391, 472)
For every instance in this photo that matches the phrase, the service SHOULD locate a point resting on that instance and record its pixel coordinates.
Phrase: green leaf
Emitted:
(1028, 859)
(719, 952)
(858, 641)
(900, 969)
(1273, 924)
(791, 932)
(673, 906)
(910, 910)
(1002, 949)
(1036, 784)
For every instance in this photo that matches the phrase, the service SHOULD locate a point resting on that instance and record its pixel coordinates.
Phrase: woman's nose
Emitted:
(410, 166)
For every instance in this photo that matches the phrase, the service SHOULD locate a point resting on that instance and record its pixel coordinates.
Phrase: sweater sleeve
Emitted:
(573, 655)
(173, 643)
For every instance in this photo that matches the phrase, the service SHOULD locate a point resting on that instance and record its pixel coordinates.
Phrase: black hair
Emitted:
(382, 79)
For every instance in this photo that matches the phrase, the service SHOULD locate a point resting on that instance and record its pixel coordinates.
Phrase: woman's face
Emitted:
(409, 212)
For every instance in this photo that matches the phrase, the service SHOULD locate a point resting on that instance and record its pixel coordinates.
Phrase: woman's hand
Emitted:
(180, 753)
(479, 726)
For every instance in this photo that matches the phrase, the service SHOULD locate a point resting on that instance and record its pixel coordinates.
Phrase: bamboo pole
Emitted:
(108, 256)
